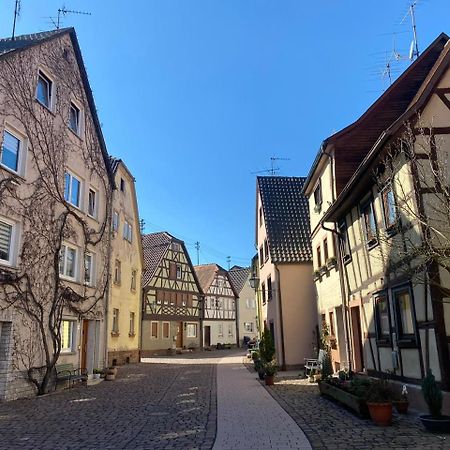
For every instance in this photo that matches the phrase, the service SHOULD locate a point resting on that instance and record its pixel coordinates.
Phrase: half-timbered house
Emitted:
(219, 311)
(172, 297)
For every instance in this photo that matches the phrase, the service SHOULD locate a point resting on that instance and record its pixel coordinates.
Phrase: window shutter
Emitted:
(172, 271)
(5, 240)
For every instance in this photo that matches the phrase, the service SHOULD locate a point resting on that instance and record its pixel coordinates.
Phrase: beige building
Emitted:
(124, 306)
(172, 297)
(55, 205)
(247, 312)
(219, 307)
(285, 282)
(389, 210)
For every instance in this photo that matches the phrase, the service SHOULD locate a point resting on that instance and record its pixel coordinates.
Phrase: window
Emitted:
(332, 330)
(89, 269)
(404, 313)
(261, 256)
(68, 262)
(67, 336)
(382, 318)
(370, 227)
(260, 216)
(74, 118)
(175, 246)
(133, 279)
(250, 303)
(154, 330)
(191, 330)
(179, 272)
(269, 288)
(115, 322)
(72, 188)
(92, 203)
(345, 244)
(220, 331)
(389, 207)
(115, 222)
(266, 250)
(230, 329)
(166, 330)
(131, 324)
(318, 197)
(44, 90)
(263, 289)
(6, 239)
(248, 326)
(122, 185)
(127, 231)
(325, 250)
(11, 149)
(117, 271)
(319, 257)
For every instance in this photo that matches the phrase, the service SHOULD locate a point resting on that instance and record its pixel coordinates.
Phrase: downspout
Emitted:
(337, 235)
(283, 353)
(236, 309)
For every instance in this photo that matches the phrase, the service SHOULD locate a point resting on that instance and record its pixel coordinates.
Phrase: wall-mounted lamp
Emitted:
(254, 282)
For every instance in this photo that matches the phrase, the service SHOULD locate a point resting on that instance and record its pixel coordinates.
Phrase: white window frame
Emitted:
(178, 272)
(46, 77)
(117, 271)
(132, 324)
(63, 274)
(133, 280)
(94, 214)
(115, 321)
(151, 329)
(248, 327)
(80, 193)
(79, 128)
(162, 331)
(220, 330)
(127, 231)
(21, 157)
(73, 328)
(115, 222)
(13, 243)
(91, 281)
(190, 325)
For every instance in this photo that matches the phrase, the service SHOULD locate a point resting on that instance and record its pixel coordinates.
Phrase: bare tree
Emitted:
(35, 292)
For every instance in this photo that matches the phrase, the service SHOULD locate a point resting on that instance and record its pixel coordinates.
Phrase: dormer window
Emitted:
(44, 90)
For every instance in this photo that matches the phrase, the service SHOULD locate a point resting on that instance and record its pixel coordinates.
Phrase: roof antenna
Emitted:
(414, 48)
(63, 12)
(273, 170)
(16, 15)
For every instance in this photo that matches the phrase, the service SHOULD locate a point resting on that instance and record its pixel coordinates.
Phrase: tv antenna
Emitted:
(273, 170)
(16, 15)
(414, 47)
(62, 12)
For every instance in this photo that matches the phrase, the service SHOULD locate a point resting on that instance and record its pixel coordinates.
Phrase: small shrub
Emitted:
(432, 394)
(266, 346)
(255, 355)
(327, 367)
(380, 392)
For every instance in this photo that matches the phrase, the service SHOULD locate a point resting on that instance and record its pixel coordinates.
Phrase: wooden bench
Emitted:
(66, 372)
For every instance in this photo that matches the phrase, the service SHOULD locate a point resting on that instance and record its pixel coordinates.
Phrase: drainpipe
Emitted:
(236, 314)
(283, 354)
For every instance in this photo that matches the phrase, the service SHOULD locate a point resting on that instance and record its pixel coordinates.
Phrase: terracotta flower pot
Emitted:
(401, 406)
(380, 413)
(269, 380)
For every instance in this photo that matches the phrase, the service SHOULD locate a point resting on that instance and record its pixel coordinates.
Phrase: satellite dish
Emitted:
(411, 51)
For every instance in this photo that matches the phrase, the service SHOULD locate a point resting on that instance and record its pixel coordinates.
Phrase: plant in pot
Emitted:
(401, 404)
(379, 402)
(432, 394)
(259, 367)
(97, 373)
(110, 373)
(270, 369)
(327, 367)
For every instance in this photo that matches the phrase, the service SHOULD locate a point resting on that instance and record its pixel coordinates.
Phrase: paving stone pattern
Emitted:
(148, 406)
(329, 426)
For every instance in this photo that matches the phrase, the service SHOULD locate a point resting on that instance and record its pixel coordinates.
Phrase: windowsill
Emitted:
(93, 217)
(67, 353)
(383, 343)
(12, 172)
(372, 244)
(347, 259)
(48, 108)
(407, 343)
(131, 335)
(66, 278)
(73, 206)
(391, 231)
(115, 334)
(75, 133)
(8, 264)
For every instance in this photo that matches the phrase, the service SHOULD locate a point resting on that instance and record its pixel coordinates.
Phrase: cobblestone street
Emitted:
(148, 406)
(329, 426)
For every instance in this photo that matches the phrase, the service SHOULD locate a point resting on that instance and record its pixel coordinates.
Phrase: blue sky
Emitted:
(195, 95)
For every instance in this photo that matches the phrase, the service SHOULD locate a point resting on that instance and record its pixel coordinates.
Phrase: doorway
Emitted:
(180, 335)
(358, 358)
(90, 345)
(84, 343)
(207, 336)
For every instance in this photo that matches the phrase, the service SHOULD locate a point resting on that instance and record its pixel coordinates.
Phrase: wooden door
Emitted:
(84, 343)
(207, 336)
(358, 359)
(180, 335)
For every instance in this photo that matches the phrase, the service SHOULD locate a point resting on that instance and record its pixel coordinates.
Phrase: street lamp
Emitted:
(254, 282)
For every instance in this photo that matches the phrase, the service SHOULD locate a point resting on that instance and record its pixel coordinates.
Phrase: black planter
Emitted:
(261, 375)
(441, 425)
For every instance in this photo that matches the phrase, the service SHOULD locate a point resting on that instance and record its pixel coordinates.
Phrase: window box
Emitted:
(316, 275)
(323, 270)
(331, 262)
(115, 334)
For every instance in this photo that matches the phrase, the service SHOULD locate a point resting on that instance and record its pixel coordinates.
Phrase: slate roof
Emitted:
(286, 215)
(154, 246)
(238, 276)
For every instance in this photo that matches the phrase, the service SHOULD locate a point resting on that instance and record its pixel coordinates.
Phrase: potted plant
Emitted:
(379, 402)
(111, 373)
(331, 262)
(270, 369)
(432, 394)
(259, 367)
(97, 373)
(402, 403)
